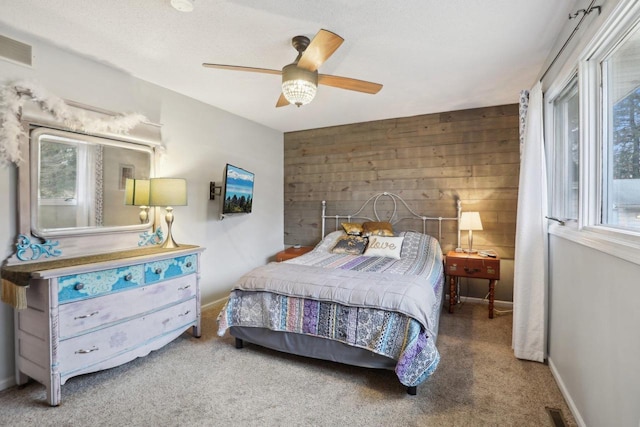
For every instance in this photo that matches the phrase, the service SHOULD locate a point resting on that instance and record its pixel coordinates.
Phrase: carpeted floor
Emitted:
(208, 382)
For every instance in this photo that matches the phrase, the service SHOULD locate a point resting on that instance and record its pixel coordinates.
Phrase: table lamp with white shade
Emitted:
(168, 192)
(470, 221)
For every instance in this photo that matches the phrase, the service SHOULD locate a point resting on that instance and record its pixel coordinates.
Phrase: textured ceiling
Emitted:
(430, 55)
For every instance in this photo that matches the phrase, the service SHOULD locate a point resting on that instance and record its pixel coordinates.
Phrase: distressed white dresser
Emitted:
(86, 314)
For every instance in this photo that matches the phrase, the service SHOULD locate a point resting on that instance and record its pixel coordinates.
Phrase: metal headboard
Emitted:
(393, 219)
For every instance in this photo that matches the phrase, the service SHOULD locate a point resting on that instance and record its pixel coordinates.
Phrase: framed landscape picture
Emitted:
(237, 196)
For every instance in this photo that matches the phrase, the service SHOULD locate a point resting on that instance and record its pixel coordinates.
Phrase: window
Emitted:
(58, 173)
(592, 126)
(70, 176)
(621, 134)
(566, 165)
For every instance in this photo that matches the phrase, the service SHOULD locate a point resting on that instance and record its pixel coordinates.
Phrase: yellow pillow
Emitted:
(353, 228)
(371, 228)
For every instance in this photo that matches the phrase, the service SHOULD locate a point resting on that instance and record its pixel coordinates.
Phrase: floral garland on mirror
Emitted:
(14, 95)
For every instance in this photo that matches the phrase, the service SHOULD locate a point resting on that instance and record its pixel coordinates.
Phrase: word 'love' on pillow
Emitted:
(384, 246)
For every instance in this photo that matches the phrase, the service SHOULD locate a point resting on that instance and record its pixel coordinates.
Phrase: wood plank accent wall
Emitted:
(430, 160)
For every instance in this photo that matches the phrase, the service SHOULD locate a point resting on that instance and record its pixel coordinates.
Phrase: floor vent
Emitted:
(15, 51)
(556, 417)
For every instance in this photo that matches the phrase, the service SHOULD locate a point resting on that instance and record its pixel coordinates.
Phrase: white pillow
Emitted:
(384, 246)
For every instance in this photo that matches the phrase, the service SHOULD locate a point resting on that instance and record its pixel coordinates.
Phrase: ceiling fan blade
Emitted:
(319, 50)
(241, 68)
(282, 101)
(348, 83)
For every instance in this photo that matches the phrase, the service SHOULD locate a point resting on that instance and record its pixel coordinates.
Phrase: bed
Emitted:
(374, 306)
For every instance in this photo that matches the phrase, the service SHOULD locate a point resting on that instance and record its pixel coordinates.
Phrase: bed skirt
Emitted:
(311, 346)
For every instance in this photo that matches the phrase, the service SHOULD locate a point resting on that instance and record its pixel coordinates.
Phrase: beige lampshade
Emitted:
(168, 192)
(136, 192)
(470, 221)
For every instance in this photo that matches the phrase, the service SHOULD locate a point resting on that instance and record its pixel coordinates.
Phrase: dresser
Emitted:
(91, 313)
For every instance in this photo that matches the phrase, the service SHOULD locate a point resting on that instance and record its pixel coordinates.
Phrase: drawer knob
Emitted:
(185, 313)
(79, 286)
(158, 270)
(182, 288)
(189, 264)
(128, 277)
(83, 351)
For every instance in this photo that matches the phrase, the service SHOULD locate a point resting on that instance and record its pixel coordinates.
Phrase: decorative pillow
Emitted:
(352, 245)
(329, 241)
(377, 229)
(384, 246)
(352, 228)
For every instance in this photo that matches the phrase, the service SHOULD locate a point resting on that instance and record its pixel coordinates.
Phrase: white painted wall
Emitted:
(200, 140)
(594, 333)
(594, 299)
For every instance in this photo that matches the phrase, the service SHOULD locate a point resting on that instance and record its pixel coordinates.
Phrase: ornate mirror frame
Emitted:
(30, 247)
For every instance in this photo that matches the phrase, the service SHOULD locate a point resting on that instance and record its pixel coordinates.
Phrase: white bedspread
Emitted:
(412, 295)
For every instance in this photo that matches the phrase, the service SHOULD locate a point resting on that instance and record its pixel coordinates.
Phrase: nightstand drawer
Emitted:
(485, 268)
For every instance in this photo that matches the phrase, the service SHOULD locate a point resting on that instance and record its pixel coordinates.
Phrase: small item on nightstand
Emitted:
(296, 246)
(488, 253)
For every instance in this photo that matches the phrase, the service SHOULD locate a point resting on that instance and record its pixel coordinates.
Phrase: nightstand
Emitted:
(461, 264)
(292, 252)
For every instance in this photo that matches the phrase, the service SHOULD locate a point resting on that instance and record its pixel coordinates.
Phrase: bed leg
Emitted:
(239, 343)
(413, 390)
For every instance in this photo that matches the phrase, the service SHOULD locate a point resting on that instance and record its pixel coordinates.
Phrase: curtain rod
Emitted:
(584, 13)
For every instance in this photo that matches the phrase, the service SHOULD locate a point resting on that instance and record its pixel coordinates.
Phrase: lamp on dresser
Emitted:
(168, 192)
(470, 221)
(136, 193)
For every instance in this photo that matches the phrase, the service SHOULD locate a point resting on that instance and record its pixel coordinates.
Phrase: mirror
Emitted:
(78, 182)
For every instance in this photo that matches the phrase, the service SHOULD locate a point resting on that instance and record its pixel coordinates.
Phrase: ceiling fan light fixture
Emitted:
(299, 86)
(182, 5)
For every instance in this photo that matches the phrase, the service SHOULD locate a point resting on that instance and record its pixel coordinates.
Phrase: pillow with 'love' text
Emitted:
(384, 246)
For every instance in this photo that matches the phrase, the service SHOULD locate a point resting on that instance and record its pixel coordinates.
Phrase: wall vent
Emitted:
(15, 51)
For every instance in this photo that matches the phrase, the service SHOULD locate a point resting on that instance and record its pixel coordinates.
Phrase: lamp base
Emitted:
(144, 214)
(470, 250)
(169, 242)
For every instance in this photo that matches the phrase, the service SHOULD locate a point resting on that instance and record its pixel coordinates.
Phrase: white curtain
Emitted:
(530, 264)
(87, 162)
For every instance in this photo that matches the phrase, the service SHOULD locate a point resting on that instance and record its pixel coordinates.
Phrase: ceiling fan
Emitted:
(300, 79)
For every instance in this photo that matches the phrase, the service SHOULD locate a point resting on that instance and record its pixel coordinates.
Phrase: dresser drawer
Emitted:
(168, 268)
(96, 283)
(80, 316)
(85, 350)
(482, 268)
